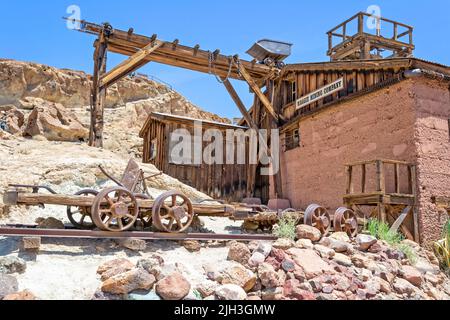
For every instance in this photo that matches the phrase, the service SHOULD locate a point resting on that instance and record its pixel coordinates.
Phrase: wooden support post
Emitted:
(363, 178)
(349, 170)
(360, 23)
(255, 88)
(382, 216)
(98, 93)
(397, 178)
(237, 100)
(381, 185)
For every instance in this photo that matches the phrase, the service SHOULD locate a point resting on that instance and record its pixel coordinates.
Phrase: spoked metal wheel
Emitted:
(115, 209)
(345, 220)
(173, 212)
(319, 218)
(80, 217)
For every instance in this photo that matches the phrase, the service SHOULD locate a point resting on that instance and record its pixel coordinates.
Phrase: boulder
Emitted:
(192, 246)
(239, 252)
(385, 287)
(55, 123)
(20, 296)
(336, 245)
(325, 252)
(304, 231)
(265, 248)
(284, 244)
(238, 275)
(304, 244)
(136, 279)
(99, 295)
(231, 292)
(31, 243)
(412, 275)
(403, 286)
(124, 264)
(268, 276)
(207, 288)
(310, 262)
(293, 290)
(12, 264)
(278, 254)
(395, 254)
(173, 287)
(342, 284)
(288, 265)
(342, 260)
(8, 285)
(50, 223)
(361, 261)
(365, 241)
(373, 287)
(340, 236)
(134, 244)
(11, 119)
(152, 265)
(256, 259)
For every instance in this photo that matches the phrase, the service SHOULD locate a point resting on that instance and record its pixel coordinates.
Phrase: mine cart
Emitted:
(270, 52)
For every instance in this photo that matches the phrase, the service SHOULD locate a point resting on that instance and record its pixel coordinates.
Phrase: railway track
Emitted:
(32, 231)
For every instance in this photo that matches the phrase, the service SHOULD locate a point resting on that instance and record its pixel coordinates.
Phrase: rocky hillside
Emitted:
(58, 101)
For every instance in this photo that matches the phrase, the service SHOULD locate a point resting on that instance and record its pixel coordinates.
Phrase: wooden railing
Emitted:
(341, 31)
(380, 178)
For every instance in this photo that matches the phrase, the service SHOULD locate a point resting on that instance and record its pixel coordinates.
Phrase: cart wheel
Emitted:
(145, 215)
(80, 217)
(281, 64)
(319, 218)
(115, 209)
(345, 221)
(173, 217)
(269, 62)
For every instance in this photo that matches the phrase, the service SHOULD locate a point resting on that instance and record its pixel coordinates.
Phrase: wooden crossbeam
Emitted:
(240, 104)
(254, 86)
(132, 63)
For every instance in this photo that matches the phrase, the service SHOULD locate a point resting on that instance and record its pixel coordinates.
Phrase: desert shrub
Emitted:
(381, 231)
(286, 228)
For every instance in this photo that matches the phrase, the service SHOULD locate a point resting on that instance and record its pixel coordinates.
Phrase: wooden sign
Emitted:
(326, 91)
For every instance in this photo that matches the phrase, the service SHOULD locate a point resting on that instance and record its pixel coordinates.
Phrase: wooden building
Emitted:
(220, 181)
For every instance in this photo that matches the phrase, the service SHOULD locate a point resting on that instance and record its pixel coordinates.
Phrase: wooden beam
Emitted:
(255, 88)
(129, 65)
(237, 100)
(98, 94)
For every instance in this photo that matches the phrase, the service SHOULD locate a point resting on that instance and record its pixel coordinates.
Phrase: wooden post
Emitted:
(397, 177)
(395, 31)
(360, 23)
(98, 93)
(349, 170)
(381, 185)
(363, 178)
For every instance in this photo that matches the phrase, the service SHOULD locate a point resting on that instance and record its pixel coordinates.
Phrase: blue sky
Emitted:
(34, 31)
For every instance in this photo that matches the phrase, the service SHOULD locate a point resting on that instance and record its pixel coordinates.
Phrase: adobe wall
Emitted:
(377, 125)
(432, 101)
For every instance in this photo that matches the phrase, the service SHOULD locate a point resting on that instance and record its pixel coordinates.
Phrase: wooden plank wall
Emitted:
(227, 182)
(309, 81)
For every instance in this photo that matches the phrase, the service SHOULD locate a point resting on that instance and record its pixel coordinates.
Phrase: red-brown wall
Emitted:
(432, 102)
(407, 121)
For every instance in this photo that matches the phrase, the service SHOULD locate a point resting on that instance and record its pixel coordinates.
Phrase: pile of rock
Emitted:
(149, 279)
(9, 287)
(332, 268)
